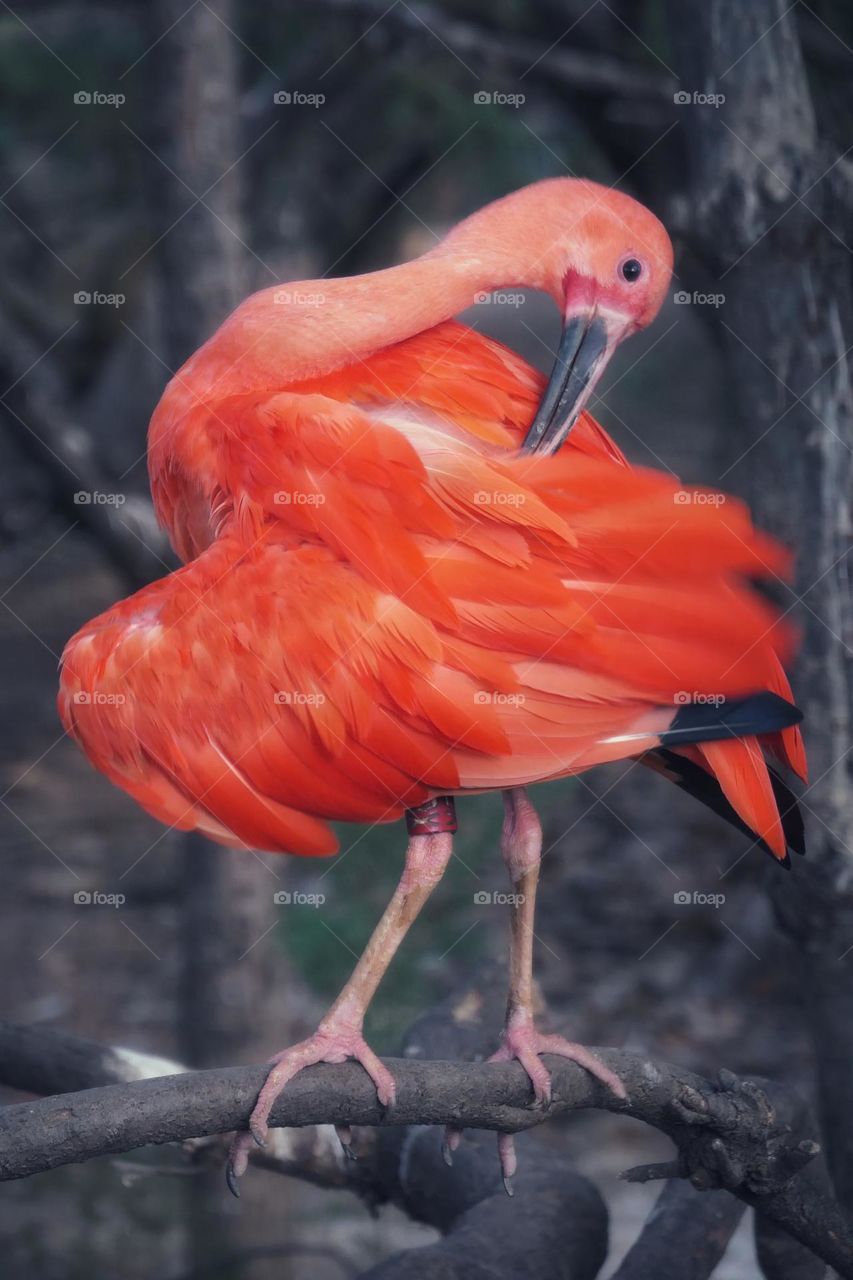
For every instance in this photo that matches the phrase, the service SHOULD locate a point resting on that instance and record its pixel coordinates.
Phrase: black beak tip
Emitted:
(580, 356)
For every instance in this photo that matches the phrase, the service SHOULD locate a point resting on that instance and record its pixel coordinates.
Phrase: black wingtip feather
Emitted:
(740, 718)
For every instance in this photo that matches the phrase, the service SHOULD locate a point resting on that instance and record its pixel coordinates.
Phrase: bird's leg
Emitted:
(521, 847)
(339, 1035)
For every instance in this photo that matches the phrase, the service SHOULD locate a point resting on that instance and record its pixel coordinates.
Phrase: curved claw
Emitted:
(260, 1134)
(386, 1087)
(508, 1160)
(330, 1043)
(237, 1163)
(344, 1133)
(450, 1143)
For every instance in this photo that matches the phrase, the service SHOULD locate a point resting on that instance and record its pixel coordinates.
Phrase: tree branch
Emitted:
(729, 1134)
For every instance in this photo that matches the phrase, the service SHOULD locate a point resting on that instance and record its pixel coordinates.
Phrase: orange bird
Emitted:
(414, 570)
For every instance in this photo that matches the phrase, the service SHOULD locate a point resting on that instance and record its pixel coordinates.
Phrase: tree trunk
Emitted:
(767, 212)
(230, 961)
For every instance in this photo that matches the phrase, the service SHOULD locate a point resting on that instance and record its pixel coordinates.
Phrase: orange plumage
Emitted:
(385, 601)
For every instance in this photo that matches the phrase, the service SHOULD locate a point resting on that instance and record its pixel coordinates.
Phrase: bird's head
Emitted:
(603, 257)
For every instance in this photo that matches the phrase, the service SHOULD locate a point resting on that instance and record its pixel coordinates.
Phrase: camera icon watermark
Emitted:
(496, 697)
(284, 898)
(499, 298)
(94, 98)
(95, 898)
(87, 298)
(94, 497)
(485, 898)
(97, 698)
(296, 98)
(297, 698)
(698, 498)
(298, 298)
(686, 698)
(682, 898)
(683, 298)
(682, 98)
(499, 498)
(489, 98)
(296, 498)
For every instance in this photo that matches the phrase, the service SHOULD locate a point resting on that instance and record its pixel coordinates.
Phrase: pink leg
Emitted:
(339, 1035)
(521, 847)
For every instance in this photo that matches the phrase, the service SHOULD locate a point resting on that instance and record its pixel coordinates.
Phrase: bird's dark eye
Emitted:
(631, 270)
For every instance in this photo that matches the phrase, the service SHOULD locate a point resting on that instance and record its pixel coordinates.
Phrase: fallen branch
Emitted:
(685, 1236)
(728, 1134)
(555, 1226)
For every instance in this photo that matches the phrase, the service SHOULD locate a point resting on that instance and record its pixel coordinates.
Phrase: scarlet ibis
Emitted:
(414, 570)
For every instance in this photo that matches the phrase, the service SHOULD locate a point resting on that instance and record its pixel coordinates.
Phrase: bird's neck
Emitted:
(309, 328)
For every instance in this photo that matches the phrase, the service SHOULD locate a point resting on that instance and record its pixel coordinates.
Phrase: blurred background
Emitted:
(159, 162)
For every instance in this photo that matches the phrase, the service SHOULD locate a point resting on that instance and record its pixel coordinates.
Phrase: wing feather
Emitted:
(386, 601)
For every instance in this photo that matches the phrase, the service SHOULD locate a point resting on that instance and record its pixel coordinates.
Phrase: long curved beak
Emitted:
(584, 350)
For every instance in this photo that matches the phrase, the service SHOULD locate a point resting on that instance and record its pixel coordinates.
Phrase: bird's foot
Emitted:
(335, 1040)
(521, 1040)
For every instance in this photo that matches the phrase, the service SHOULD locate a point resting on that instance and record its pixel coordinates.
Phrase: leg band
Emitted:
(432, 817)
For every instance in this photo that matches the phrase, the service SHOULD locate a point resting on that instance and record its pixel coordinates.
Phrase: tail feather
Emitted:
(742, 774)
(733, 780)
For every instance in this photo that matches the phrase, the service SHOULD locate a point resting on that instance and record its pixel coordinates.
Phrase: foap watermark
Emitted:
(683, 298)
(682, 98)
(297, 98)
(698, 498)
(496, 98)
(295, 698)
(498, 699)
(95, 498)
(296, 498)
(88, 298)
(95, 898)
(499, 298)
(683, 698)
(298, 298)
(94, 98)
(499, 498)
(98, 698)
(284, 898)
(682, 898)
(485, 898)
